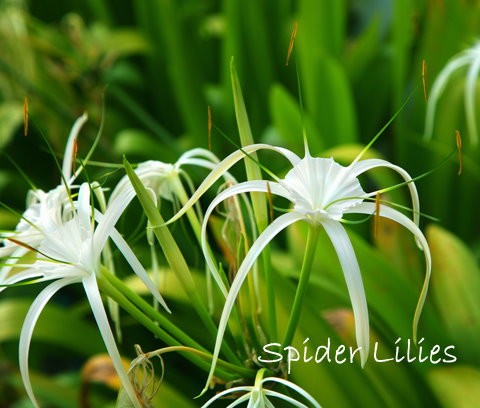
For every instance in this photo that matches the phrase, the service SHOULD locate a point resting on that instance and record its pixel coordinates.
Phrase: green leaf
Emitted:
(456, 387)
(329, 99)
(455, 287)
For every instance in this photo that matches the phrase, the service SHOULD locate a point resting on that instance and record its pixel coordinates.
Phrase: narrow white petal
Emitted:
(268, 404)
(68, 155)
(28, 327)
(110, 218)
(387, 212)
(255, 400)
(137, 267)
(247, 186)
(286, 398)
(470, 100)
(84, 209)
(437, 90)
(198, 152)
(21, 276)
(365, 165)
(226, 392)
(262, 241)
(293, 386)
(93, 295)
(222, 167)
(353, 278)
(239, 401)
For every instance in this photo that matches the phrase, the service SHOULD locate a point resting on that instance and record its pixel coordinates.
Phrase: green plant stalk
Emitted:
(312, 239)
(173, 255)
(149, 310)
(112, 290)
(195, 223)
(259, 205)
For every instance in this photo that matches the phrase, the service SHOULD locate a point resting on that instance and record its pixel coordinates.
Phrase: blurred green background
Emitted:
(158, 64)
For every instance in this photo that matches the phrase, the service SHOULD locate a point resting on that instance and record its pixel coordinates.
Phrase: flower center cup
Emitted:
(322, 189)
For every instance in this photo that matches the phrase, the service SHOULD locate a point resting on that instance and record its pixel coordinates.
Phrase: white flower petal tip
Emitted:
(471, 58)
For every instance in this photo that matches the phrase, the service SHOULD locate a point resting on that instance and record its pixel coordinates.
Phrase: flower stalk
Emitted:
(312, 240)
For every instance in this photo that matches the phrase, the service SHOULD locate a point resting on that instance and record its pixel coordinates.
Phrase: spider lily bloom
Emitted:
(322, 192)
(45, 210)
(164, 180)
(71, 253)
(469, 57)
(257, 396)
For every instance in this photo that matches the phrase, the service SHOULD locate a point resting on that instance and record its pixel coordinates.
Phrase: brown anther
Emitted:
(424, 80)
(376, 224)
(292, 42)
(209, 126)
(270, 201)
(25, 117)
(75, 150)
(459, 147)
(22, 244)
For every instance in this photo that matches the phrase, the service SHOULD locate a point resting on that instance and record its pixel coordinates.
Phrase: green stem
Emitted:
(174, 256)
(258, 201)
(312, 239)
(270, 284)
(235, 326)
(149, 310)
(113, 291)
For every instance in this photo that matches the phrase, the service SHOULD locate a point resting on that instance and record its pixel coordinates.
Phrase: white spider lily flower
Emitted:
(163, 178)
(45, 210)
(321, 192)
(257, 396)
(471, 58)
(71, 253)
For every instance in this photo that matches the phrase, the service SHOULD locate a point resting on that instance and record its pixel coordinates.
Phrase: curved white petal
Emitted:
(222, 167)
(286, 398)
(68, 155)
(23, 275)
(353, 278)
(241, 400)
(437, 90)
(293, 386)
(226, 392)
(365, 165)
(110, 218)
(387, 212)
(262, 241)
(247, 186)
(470, 100)
(256, 400)
(84, 208)
(134, 263)
(28, 327)
(93, 295)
